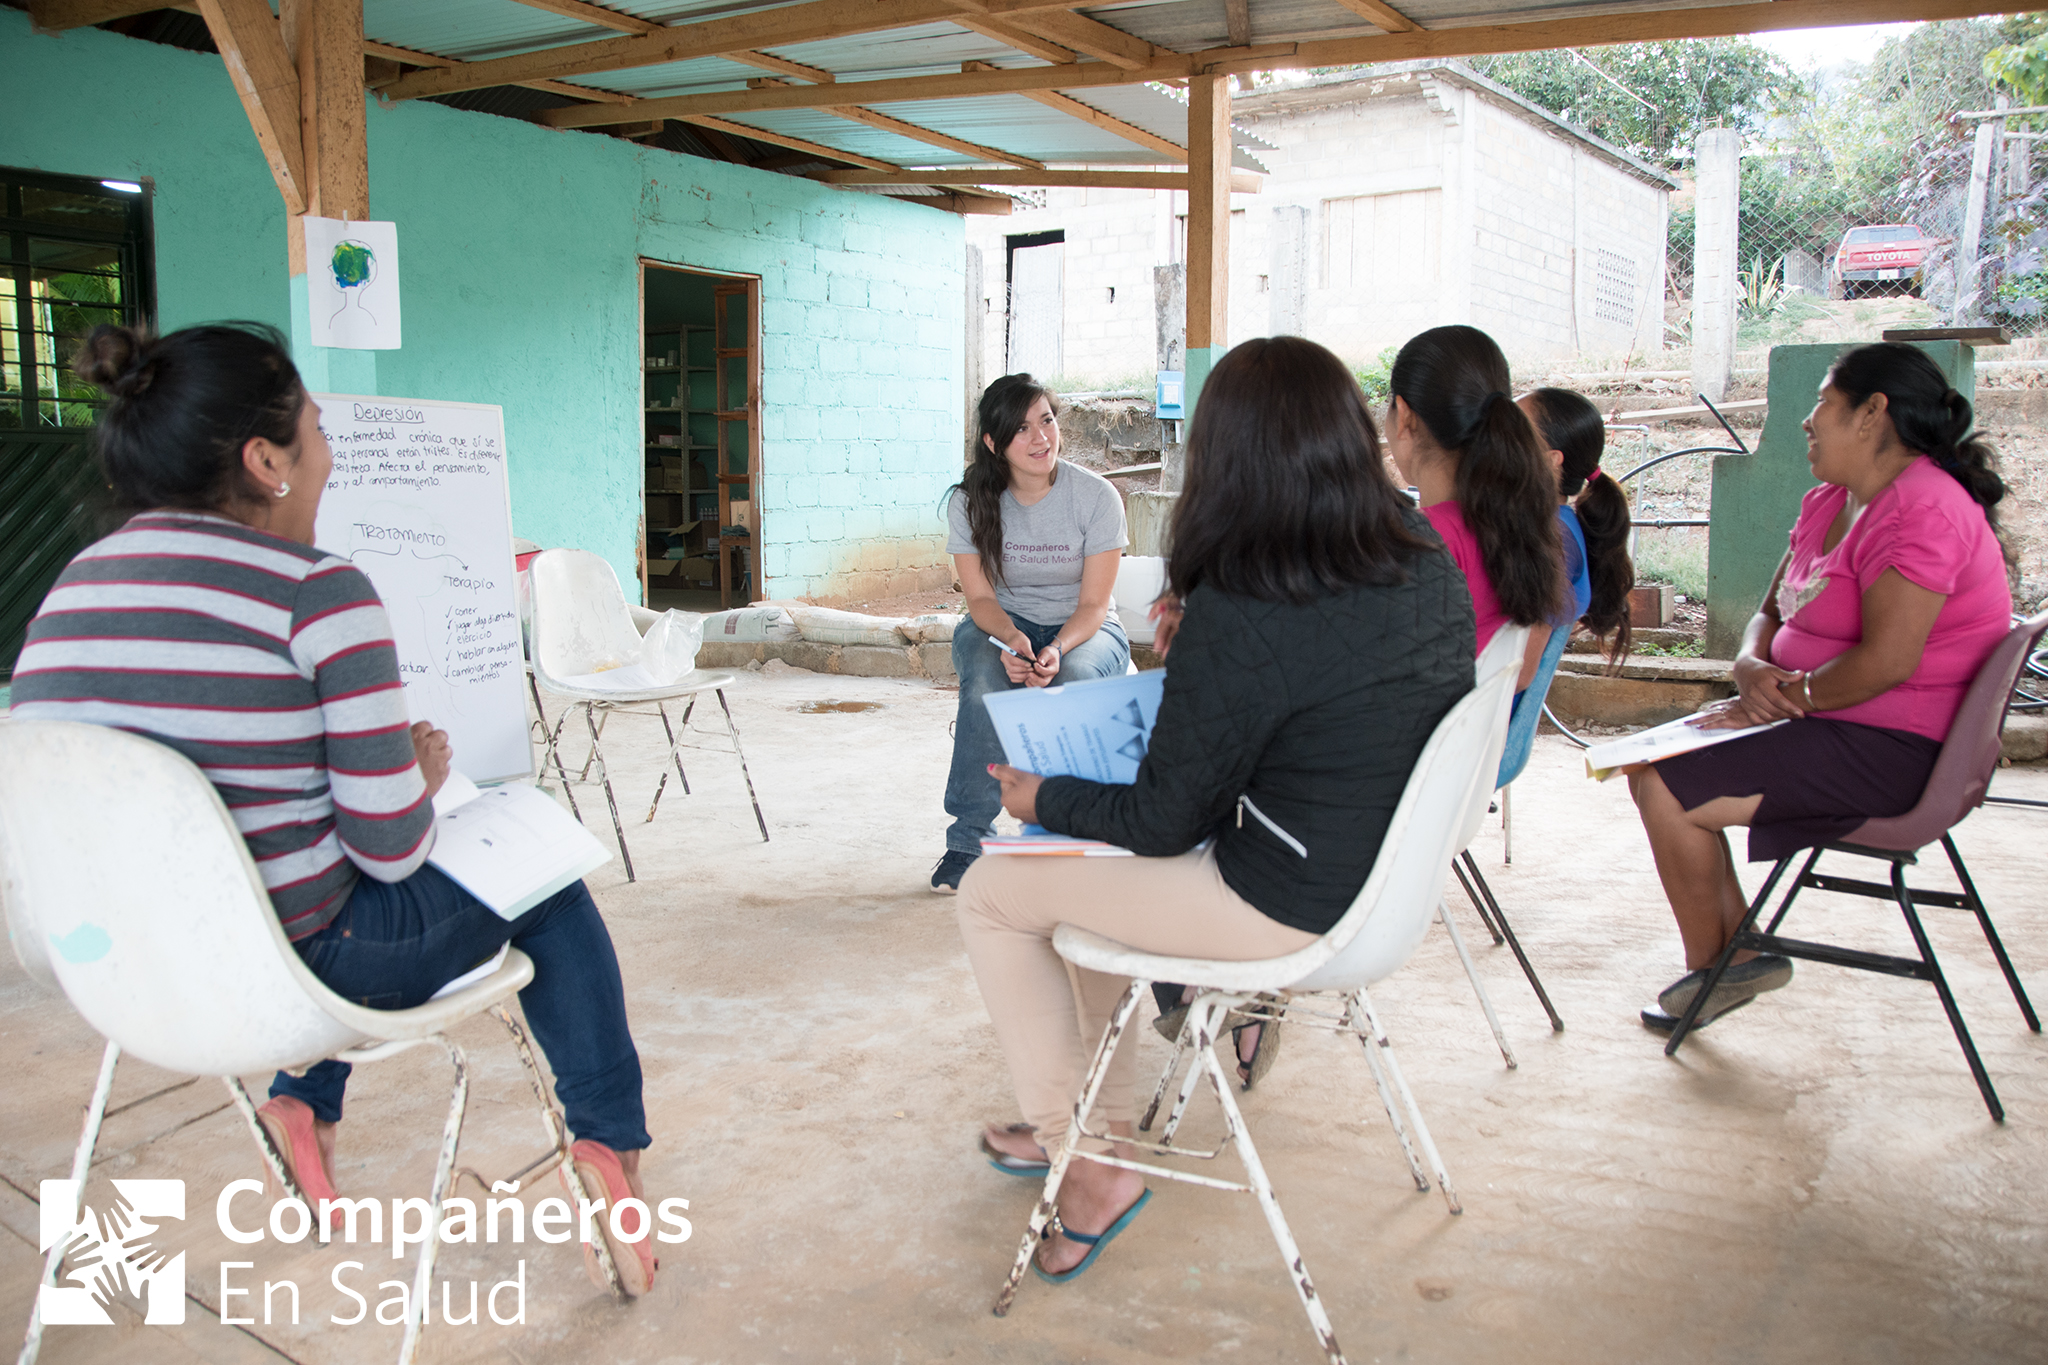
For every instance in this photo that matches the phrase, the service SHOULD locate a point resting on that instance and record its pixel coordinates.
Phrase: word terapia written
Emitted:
(414, 1222)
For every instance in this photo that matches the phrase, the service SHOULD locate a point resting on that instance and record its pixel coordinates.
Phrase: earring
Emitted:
(284, 490)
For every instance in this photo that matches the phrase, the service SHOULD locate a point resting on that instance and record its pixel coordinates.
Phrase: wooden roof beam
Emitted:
(795, 144)
(875, 119)
(947, 87)
(1599, 30)
(414, 57)
(782, 66)
(801, 23)
(1060, 32)
(1030, 44)
(960, 201)
(266, 78)
(55, 16)
(593, 14)
(1067, 104)
(1241, 182)
(1386, 16)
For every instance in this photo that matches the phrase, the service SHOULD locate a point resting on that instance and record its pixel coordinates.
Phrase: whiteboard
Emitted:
(418, 500)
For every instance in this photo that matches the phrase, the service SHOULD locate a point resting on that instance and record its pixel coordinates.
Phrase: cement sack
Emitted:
(824, 626)
(933, 628)
(751, 626)
(668, 650)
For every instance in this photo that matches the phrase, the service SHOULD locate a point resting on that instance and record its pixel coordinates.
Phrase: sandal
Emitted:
(1008, 1162)
(1095, 1242)
(599, 1169)
(1265, 1050)
(289, 1124)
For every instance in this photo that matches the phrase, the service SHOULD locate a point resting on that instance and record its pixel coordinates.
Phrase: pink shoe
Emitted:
(598, 1167)
(289, 1123)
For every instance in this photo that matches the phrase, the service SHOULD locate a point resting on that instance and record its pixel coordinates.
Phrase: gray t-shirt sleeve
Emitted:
(959, 534)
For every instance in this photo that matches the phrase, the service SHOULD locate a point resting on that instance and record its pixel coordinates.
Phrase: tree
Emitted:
(1651, 99)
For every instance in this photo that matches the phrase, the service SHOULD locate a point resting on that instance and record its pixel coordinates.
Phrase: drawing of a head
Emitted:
(353, 263)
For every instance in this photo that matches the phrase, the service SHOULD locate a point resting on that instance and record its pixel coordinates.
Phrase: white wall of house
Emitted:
(1418, 196)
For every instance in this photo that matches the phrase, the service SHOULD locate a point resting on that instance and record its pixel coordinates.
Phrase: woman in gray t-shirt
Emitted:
(1035, 541)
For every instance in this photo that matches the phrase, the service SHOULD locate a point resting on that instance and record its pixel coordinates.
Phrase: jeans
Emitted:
(972, 796)
(394, 944)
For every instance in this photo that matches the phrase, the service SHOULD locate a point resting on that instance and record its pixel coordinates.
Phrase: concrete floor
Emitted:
(1813, 1179)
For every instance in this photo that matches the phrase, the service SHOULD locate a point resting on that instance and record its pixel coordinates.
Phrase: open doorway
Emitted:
(700, 548)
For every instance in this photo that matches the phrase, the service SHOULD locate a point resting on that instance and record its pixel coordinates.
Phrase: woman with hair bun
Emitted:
(1035, 541)
(210, 624)
(1481, 479)
(1593, 513)
(1890, 598)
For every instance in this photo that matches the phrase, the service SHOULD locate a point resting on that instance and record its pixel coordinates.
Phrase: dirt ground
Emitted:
(1811, 1180)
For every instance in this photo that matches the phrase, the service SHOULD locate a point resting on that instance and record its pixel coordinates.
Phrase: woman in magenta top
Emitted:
(1480, 472)
(1890, 598)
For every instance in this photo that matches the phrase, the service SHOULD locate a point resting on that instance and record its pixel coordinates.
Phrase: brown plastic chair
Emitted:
(1961, 775)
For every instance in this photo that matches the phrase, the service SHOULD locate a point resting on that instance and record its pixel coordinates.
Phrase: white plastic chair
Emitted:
(126, 882)
(582, 624)
(1139, 581)
(1381, 930)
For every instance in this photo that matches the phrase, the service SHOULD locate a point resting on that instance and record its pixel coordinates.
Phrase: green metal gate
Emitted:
(74, 253)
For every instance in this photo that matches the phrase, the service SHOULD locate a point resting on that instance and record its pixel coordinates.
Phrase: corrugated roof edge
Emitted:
(1255, 101)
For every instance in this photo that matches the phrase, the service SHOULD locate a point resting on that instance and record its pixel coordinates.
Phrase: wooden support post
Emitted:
(267, 81)
(1209, 155)
(325, 38)
(1967, 303)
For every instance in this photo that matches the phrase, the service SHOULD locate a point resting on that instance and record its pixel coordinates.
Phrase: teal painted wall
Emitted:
(519, 248)
(1756, 497)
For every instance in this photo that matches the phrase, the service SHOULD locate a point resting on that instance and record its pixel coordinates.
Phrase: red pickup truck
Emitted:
(1880, 256)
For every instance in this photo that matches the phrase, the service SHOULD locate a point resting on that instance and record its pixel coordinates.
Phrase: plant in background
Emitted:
(1375, 378)
(1763, 289)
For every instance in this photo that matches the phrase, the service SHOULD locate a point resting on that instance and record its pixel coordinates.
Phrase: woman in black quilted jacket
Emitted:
(1324, 633)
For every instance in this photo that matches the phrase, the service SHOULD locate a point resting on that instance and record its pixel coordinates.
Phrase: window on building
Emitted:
(1389, 245)
(1614, 287)
(73, 254)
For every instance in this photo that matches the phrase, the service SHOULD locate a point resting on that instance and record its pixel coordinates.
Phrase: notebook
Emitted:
(1660, 741)
(511, 846)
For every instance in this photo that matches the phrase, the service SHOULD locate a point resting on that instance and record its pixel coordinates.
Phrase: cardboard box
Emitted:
(670, 474)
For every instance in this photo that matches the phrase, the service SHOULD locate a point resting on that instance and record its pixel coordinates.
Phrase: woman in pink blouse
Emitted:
(1890, 598)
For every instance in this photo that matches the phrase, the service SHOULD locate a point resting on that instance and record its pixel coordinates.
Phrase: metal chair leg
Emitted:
(604, 774)
(273, 1159)
(1180, 1048)
(81, 1167)
(1500, 917)
(1354, 1018)
(2012, 978)
(734, 732)
(1056, 1174)
(1479, 905)
(1756, 906)
(1507, 824)
(550, 745)
(1385, 1046)
(674, 755)
(1948, 1000)
(1507, 1053)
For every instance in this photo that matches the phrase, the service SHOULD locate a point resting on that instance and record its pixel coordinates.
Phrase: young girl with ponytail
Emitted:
(1889, 600)
(1478, 467)
(1593, 513)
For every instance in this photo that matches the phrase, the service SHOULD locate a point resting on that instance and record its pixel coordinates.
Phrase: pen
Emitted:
(1007, 650)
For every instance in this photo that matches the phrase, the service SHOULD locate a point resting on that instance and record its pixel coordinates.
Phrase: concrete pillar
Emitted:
(1170, 309)
(1287, 280)
(1209, 153)
(1966, 304)
(1717, 168)
(977, 375)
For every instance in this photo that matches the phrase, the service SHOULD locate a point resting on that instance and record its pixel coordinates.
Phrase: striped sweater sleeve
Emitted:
(341, 639)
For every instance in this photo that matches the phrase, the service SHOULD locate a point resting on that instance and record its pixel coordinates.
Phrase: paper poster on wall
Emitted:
(418, 500)
(352, 284)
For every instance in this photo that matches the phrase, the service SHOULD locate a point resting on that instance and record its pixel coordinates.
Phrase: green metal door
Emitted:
(74, 253)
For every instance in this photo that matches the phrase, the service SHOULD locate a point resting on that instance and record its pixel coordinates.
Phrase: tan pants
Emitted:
(1050, 1017)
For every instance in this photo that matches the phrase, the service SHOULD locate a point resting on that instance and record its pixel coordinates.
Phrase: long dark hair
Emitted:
(1929, 416)
(1286, 497)
(999, 417)
(182, 408)
(1568, 422)
(1455, 380)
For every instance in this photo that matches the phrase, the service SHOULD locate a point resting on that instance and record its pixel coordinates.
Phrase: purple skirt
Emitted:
(1820, 780)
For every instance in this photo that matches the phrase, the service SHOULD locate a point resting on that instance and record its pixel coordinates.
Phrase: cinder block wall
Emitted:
(520, 249)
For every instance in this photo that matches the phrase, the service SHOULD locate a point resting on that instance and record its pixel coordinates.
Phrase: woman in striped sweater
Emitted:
(210, 624)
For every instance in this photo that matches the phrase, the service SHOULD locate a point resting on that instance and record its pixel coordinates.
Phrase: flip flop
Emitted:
(1009, 1164)
(289, 1123)
(1657, 1021)
(598, 1167)
(1264, 1052)
(1095, 1242)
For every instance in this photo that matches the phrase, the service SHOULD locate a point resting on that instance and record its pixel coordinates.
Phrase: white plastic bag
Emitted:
(751, 625)
(669, 649)
(825, 626)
